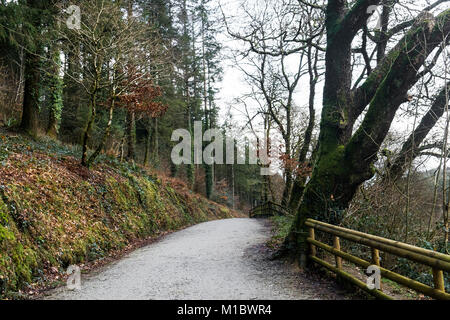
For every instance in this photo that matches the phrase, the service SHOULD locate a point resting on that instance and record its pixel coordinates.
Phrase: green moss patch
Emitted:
(54, 213)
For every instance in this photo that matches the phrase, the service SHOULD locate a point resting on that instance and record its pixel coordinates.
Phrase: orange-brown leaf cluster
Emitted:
(142, 95)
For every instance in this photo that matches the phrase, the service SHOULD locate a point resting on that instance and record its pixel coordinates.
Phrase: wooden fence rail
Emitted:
(438, 262)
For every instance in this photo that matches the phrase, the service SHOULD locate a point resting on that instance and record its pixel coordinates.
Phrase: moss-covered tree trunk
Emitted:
(346, 160)
(93, 112)
(32, 29)
(70, 125)
(56, 93)
(30, 111)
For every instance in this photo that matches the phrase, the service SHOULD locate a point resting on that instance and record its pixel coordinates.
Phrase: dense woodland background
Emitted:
(360, 108)
(135, 72)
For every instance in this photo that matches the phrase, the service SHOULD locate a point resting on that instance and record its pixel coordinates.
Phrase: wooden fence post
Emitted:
(313, 237)
(438, 277)
(376, 257)
(337, 246)
(376, 261)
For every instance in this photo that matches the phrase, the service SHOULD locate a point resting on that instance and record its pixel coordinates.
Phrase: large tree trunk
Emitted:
(344, 160)
(56, 92)
(185, 48)
(70, 124)
(30, 114)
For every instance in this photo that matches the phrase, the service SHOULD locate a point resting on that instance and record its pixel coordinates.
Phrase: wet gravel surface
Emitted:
(217, 260)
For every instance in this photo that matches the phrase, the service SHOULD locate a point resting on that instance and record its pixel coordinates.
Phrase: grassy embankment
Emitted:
(55, 213)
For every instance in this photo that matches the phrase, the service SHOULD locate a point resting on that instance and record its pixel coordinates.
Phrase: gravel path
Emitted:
(216, 260)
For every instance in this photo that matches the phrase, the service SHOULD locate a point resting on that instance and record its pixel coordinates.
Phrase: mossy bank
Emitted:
(55, 213)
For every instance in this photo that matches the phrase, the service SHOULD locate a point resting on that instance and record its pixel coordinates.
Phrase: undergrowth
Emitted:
(280, 230)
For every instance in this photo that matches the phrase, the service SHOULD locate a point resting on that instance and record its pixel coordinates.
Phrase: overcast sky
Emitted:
(234, 86)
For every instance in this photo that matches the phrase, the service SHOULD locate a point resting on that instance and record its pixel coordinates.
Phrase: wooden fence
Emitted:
(268, 209)
(438, 262)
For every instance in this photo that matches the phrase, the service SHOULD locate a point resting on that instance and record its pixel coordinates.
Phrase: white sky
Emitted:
(234, 86)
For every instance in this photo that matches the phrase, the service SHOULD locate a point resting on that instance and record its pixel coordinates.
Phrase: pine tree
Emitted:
(30, 114)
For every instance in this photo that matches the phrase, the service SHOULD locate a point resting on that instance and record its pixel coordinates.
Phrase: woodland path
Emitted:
(218, 260)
